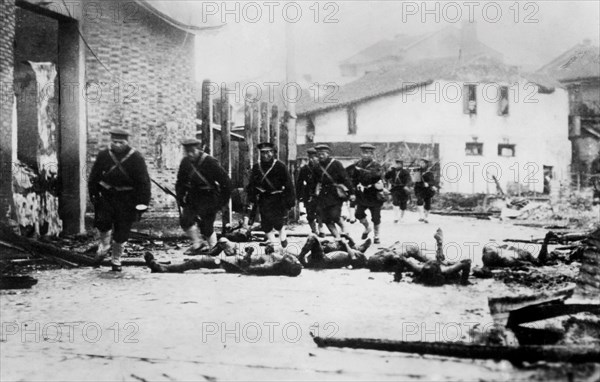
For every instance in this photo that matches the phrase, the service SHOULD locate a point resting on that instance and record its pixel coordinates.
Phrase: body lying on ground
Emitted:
(318, 253)
(270, 263)
(505, 256)
(386, 259)
(433, 272)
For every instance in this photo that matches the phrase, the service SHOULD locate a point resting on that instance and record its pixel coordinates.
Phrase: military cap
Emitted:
(266, 146)
(119, 133)
(191, 142)
(322, 147)
(367, 146)
(311, 151)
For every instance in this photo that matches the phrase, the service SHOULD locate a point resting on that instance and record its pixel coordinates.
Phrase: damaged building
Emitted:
(484, 122)
(69, 73)
(578, 69)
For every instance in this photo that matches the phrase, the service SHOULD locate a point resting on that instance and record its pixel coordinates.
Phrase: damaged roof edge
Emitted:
(333, 106)
(174, 21)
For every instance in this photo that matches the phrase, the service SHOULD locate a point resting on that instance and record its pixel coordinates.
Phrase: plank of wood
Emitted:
(516, 354)
(545, 311)
(41, 249)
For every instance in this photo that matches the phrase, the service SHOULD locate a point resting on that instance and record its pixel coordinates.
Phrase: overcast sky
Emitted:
(529, 34)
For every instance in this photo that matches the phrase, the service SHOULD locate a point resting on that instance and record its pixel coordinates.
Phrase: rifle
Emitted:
(167, 191)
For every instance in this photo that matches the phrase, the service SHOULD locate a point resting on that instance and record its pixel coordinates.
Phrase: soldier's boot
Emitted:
(396, 214)
(271, 238)
(313, 227)
(197, 240)
(103, 246)
(368, 228)
(352, 211)
(376, 235)
(283, 237)
(117, 252)
(227, 247)
(425, 216)
(212, 240)
(421, 211)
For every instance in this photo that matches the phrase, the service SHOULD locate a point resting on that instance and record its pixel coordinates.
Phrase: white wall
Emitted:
(537, 125)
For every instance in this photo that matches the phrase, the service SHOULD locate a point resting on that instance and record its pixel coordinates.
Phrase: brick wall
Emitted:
(7, 34)
(149, 87)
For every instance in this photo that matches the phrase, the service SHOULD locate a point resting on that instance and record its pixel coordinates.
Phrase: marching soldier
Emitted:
(369, 190)
(400, 181)
(271, 189)
(305, 190)
(424, 189)
(203, 188)
(333, 188)
(119, 189)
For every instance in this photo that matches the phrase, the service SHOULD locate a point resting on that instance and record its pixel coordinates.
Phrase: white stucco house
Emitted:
(477, 120)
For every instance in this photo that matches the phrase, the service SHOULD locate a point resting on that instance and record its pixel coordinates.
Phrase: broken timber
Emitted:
(516, 354)
(43, 250)
(500, 307)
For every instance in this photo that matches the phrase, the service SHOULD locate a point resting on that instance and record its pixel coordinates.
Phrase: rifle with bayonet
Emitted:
(167, 191)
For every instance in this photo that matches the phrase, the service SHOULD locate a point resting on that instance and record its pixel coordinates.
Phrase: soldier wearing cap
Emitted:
(271, 188)
(305, 190)
(203, 187)
(400, 180)
(424, 189)
(333, 188)
(368, 182)
(119, 189)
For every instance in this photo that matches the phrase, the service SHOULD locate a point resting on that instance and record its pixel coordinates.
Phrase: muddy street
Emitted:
(94, 324)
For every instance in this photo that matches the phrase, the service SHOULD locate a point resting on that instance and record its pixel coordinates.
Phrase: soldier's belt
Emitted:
(110, 187)
(265, 192)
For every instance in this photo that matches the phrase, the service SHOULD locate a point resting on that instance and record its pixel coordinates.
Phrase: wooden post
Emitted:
(225, 147)
(247, 147)
(256, 121)
(283, 139)
(264, 122)
(274, 130)
(207, 117)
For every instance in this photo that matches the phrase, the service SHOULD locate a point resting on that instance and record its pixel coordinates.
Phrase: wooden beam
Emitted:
(264, 122)
(225, 147)
(207, 117)
(255, 128)
(247, 147)
(274, 129)
(516, 354)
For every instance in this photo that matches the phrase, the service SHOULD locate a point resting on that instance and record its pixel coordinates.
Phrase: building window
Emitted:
(351, 120)
(470, 99)
(506, 150)
(503, 103)
(474, 148)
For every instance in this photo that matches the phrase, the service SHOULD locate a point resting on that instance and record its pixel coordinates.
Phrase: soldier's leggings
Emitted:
(116, 212)
(207, 215)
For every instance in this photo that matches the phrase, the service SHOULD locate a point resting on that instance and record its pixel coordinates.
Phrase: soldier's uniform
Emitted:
(368, 183)
(272, 189)
(424, 190)
(119, 188)
(305, 191)
(329, 203)
(203, 187)
(400, 181)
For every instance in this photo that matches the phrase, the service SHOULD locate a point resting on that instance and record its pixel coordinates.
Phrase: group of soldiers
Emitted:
(120, 190)
(324, 185)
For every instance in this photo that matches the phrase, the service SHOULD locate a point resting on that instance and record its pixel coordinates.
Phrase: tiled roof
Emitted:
(404, 76)
(580, 62)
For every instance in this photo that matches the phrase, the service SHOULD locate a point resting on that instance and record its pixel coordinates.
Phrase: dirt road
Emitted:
(91, 324)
